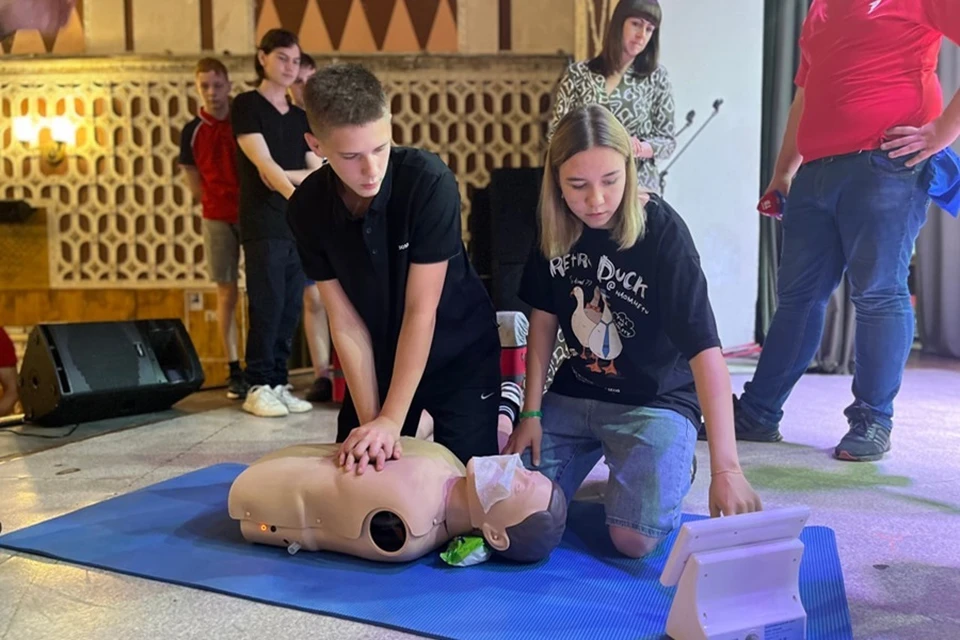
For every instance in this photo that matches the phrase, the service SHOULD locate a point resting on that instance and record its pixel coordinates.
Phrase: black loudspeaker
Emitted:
(480, 236)
(514, 196)
(14, 211)
(73, 373)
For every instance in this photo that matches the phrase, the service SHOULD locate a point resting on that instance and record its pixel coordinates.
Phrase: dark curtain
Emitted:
(781, 56)
(783, 20)
(938, 252)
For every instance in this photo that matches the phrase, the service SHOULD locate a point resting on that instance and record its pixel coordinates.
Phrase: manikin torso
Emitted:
(299, 495)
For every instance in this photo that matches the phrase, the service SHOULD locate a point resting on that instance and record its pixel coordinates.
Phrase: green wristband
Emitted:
(531, 414)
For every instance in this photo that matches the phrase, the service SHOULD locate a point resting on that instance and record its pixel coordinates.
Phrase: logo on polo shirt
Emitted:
(873, 6)
(405, 245)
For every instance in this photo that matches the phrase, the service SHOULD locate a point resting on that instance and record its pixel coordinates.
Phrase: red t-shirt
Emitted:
(8, 355)
(208, 145)
(867, 66)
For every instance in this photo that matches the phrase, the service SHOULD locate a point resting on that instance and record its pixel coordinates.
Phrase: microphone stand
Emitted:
(663, 174)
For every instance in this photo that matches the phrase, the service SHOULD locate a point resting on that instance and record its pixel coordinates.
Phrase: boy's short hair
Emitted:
(307, 61)
(206, 65)
(345, 94)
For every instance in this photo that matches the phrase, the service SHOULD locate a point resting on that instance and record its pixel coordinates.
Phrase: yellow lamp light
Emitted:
(25, 130)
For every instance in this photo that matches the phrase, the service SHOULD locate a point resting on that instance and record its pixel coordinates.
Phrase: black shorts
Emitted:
(463, 399)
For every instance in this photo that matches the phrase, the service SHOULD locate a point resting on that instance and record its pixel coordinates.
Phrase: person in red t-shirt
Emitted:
(9, 392)
(208, 156)
(866, 117)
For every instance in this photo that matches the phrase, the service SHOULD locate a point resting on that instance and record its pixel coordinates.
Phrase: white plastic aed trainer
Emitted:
(738, 578)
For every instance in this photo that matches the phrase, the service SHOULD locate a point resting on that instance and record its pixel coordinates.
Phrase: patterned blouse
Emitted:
(644, 107)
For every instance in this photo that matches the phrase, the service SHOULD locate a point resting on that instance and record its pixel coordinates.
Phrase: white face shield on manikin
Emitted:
(494, 478)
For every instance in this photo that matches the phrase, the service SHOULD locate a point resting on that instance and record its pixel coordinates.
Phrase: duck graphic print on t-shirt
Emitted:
(630, 318)
(606, 305)
(599, 330)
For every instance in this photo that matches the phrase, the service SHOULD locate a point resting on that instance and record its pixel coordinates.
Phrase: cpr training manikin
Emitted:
(299, 498)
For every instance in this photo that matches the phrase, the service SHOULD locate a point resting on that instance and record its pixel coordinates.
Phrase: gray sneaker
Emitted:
(866, 441)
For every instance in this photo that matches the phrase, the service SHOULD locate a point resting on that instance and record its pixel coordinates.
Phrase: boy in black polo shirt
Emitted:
(378, 228)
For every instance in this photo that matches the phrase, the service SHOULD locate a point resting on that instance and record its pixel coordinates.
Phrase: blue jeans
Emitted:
(858, 213)
(648, 451)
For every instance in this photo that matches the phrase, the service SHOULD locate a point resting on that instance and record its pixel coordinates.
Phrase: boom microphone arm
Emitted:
(663, 174)
(690, 116)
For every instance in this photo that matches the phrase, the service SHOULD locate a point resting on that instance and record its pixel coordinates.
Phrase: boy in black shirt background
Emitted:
(379, 229)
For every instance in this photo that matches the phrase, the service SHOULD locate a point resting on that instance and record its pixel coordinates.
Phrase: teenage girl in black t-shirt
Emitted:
(623, 280)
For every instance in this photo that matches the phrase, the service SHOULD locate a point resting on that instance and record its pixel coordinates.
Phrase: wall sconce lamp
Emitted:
(27, 130)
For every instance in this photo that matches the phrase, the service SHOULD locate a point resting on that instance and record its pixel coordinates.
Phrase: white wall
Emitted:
(715, 50)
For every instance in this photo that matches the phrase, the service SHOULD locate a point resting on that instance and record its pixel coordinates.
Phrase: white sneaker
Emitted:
(262, 401)
(293, 403)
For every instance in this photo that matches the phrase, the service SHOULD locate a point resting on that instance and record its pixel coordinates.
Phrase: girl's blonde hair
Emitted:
(581, 129)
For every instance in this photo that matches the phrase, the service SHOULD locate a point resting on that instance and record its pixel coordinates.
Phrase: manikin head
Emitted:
(350, 123)
(213, 85)
(590, 180)
(525, 526)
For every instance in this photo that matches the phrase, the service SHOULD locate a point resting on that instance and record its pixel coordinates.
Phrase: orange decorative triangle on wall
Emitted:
(401, 38)
(27, 41)
(313, 32)
(70, 38)
(443, 36)
(269, 19)
(357, 37)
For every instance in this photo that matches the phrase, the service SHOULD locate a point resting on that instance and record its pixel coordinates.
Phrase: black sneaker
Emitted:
(320, 391)
(866, 441)
(749, 429)
(746, 428)
(237, 386)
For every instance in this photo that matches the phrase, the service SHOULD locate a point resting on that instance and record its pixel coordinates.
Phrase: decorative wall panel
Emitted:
(118, 211)
(364, 26)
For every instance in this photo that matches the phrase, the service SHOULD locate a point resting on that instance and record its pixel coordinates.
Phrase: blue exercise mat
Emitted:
(179, 532)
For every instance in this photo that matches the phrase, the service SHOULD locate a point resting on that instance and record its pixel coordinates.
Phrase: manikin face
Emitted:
(296, 89)
(214, 90)
(531, 492)
(592, 183)
(636, 34)
(281, 66)
(358, 154)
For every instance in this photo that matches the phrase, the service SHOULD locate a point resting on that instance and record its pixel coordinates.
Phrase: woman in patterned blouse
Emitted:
(627, 79)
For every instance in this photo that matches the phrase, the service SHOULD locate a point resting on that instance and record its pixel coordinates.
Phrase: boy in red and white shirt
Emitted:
(208, 156)
(867, 115)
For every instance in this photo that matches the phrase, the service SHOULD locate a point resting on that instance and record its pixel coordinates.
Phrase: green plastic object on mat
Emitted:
(465, 551)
